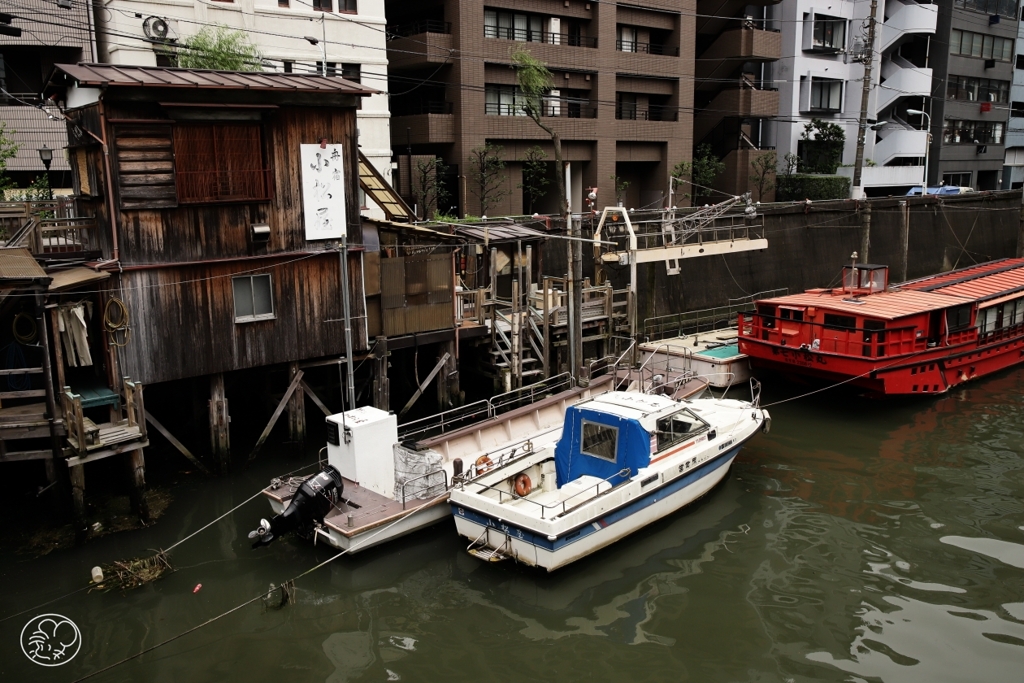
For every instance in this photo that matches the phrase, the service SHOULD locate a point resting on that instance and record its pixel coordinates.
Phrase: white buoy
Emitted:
(97, 575)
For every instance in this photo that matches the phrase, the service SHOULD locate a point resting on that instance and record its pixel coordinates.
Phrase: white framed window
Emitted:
(826, 95)
(824, 33)
(254, 297)
(600, 441)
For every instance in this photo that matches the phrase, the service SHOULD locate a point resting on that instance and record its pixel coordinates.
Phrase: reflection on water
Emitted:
(857, 541)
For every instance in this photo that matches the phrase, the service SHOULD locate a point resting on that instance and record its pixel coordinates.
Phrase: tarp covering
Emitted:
(633, 448)
(420, 472)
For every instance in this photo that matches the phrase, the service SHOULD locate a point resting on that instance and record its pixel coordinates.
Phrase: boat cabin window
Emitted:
(767, 314)
(840, 322)
(599, 440)
(987, 318)
(794, 314)
(999, 317)
(958, 318)
(678, 427)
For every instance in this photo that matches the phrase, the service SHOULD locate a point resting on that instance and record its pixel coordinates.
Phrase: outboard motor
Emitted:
(313, 499)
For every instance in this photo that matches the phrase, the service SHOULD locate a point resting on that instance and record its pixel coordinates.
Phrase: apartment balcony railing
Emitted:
(650, 113)
(523, 35)
(557, 109)
(423, 26)
(646, 48)
(421, 107)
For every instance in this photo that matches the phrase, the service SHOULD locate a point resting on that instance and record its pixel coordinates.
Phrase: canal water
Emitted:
(858, 541)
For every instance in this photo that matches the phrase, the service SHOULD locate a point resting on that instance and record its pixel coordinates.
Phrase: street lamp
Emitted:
(46, 156)
(927, 146)
(323, 48)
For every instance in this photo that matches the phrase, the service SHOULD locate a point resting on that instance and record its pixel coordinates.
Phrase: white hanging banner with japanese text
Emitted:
(323, 191)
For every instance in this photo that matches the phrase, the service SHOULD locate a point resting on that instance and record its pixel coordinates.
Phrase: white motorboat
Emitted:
(379, 484)
(624, 460)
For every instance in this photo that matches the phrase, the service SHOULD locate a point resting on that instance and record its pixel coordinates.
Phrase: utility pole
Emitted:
(862, 130)
(1020, 228)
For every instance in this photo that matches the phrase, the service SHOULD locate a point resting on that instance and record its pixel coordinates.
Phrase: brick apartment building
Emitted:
(622, 98)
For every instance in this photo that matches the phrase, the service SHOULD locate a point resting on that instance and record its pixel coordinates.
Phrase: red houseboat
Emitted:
(918, 337)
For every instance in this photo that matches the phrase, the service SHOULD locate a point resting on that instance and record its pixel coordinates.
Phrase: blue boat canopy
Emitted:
(601, 445)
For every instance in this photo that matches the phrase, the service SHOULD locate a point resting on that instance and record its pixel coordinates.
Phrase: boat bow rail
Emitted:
(597, 488)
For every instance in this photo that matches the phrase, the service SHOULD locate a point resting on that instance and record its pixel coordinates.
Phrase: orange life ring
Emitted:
(483, 464)
(523, 485)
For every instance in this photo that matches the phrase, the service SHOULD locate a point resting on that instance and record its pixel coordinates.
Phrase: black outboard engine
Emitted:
(314, 499)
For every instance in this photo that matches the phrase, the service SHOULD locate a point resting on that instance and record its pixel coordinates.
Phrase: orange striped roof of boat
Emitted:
(979, 283)
(883, 305)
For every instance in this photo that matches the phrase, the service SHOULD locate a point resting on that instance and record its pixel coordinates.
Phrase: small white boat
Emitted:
(624, 460)
(378, 484)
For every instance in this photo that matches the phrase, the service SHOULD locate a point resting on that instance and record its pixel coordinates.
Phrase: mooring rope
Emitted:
(831, 386)
(258, 597)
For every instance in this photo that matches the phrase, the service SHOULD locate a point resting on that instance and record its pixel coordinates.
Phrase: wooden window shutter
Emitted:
(144, 166)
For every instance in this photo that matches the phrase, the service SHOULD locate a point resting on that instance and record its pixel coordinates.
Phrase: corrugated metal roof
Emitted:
(498, 232)
(75, 277)
(884, 305)
(19, 264)
(981, 282)
(120, 75)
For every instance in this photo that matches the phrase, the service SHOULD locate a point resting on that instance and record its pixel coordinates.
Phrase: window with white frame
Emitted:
(254, 297)
(826, 95)
(504, 100)
(823, 33)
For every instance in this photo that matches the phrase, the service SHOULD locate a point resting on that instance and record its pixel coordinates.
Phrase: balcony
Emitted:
(429, 44)
(523, 35)
(902, 81)
(747, 103)
(646, 48)
(732, 49)
(886, 176)
(651, 112)
(909, 18)
(568, 109)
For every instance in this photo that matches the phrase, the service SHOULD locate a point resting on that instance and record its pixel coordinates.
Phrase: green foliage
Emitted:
(220, 48)
(429, 189)
(701, 172)
(798, 186)
(8, 149)
(487, 176)
(791, 163)
(822, 153)
(763, 173)
(535, 177)
(620, 187)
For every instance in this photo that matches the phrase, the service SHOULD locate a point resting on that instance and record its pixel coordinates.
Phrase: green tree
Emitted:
(220, 48)
(487, 176)
(822, 146)
(620, 187)
(763, 173)
(8, 150)
(534, 81)
(702, 172)
(535, 177)
(429, 189)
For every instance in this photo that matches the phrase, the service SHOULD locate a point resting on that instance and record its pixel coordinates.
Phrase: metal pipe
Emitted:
(347, 313)
(116, 256)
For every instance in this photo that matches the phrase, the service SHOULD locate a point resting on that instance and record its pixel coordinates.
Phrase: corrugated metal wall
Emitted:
(416, 294)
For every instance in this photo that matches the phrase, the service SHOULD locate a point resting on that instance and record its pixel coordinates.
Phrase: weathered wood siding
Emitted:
(183, 322)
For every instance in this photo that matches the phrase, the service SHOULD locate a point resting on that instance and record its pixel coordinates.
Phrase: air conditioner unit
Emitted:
(155, 28)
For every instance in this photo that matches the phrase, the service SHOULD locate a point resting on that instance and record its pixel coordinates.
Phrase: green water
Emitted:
(859, 541)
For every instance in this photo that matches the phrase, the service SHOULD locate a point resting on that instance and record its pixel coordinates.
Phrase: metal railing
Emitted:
(524, 35)
(560, 505)
(460, 417)
(427, 487)
(566, 109)
(703, 320)
(646, 48)
(650, 113)
(422, 107)
(422, 26)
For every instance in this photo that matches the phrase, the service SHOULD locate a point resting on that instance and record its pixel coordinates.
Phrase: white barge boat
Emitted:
(379, 484)
(624, 460)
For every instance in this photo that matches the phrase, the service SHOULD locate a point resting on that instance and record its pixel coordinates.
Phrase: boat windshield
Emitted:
(678, 427)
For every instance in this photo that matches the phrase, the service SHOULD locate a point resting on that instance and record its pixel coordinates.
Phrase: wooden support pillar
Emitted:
(77, 474)
(448, 379)
(220, 435)
(136, 464)
(296, 409)
(381, 385)
(904, 238)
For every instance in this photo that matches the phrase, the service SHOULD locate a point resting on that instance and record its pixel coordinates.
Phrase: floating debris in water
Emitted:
(138, 572)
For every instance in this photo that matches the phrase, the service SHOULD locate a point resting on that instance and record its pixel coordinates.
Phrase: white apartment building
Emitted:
(821, 73)
(350, 32)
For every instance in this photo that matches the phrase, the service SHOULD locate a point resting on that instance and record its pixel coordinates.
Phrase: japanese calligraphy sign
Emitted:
(323, 191)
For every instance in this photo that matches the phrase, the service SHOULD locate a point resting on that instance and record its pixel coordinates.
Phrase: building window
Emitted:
(323, 5)
(254, 298)
(627, 39)
(352, 72)
(599, 440)
(1006, 8)
(977, 89)
(348, 6)
(1020, 61)
(220, 162)
(527, 28)
(283, 3)
(504, 100)
(956, 132)
(962, 179)
(826, 95)
(969, 44)
(288, 66)
(823, 33)
(1017, 109)
(331, 71)
(625, 106)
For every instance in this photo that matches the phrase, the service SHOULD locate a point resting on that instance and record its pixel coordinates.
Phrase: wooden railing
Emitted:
(84, 435)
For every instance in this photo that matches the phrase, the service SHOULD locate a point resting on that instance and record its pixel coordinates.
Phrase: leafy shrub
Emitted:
(800, 186)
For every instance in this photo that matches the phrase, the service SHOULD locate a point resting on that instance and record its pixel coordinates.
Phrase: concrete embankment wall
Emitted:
(809, 244)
